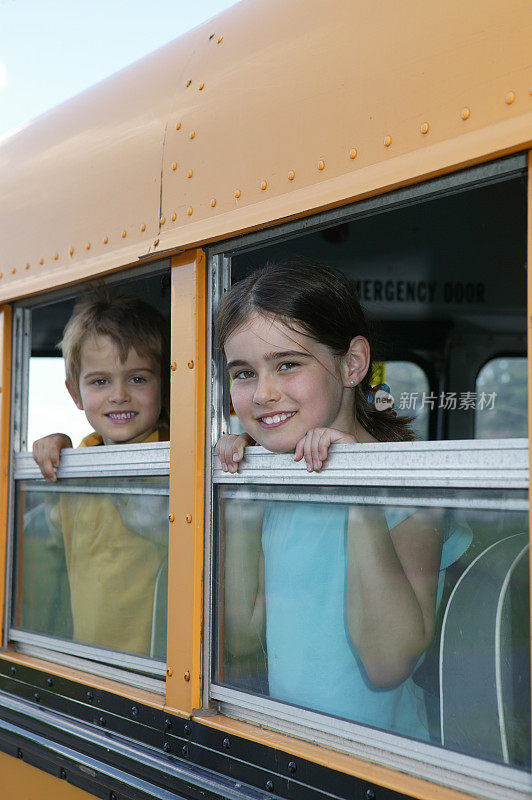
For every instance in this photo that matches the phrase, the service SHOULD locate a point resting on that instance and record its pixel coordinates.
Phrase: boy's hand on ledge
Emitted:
(47, 453)
(230, 450)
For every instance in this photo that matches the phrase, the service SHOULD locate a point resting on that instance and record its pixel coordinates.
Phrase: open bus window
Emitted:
(428, 275)
(52, 411)
(49, 407)
(502, 385)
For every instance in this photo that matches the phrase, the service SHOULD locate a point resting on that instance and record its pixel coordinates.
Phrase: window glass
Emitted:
(409, 386)
(502, 386)
(295, 570)
(91, 562)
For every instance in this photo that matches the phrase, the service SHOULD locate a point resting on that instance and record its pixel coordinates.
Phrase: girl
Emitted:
(346, 595)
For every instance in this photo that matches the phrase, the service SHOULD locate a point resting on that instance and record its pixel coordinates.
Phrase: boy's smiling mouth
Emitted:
(275, 420)
(121, 416)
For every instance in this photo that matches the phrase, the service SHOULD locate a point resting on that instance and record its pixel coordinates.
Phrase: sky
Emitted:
(51, 50)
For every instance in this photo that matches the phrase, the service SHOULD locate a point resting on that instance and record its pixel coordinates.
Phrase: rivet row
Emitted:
(465, 113)
(71, 250)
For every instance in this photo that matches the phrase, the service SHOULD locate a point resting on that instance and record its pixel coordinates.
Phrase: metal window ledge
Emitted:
(90, 654)
(114, 461)
(500, 463)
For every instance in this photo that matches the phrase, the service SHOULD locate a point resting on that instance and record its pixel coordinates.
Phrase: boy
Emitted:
(116, 362)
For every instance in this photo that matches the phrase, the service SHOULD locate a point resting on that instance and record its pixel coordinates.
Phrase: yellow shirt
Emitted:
(112, 569)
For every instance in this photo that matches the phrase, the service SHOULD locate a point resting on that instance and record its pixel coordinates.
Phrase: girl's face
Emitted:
(284, 383)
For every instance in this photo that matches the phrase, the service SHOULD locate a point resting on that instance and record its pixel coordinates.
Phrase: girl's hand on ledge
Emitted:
(230, 450)
(314, 446)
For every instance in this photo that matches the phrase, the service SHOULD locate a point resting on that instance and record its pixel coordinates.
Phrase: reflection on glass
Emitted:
(92, 562)
(342, 609)
(409, 386)
(501, 410)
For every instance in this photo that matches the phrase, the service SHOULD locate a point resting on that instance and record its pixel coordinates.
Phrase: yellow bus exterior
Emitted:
(270, 112)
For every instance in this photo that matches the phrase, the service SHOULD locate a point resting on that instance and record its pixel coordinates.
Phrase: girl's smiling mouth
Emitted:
(275, 420)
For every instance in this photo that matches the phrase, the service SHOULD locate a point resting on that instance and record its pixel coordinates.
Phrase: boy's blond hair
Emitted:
(129, 322)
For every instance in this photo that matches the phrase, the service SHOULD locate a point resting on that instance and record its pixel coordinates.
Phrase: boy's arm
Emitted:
(47, 453)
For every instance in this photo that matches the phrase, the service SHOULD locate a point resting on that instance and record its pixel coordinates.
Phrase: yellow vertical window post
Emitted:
(5, 386)
(187, 470)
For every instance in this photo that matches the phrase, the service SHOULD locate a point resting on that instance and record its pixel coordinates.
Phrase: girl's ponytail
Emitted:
(383, 425)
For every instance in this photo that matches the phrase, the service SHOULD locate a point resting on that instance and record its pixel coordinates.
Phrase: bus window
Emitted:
(416, 270)
(91, 563)
(409, 385)
(90, 550)
(301, 651)
(502, 391)
(289, 642)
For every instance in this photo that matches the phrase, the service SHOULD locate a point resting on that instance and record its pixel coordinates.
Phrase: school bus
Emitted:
(389, 140)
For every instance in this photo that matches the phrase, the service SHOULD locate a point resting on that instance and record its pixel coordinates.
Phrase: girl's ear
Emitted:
(356, 361)
(74, 395)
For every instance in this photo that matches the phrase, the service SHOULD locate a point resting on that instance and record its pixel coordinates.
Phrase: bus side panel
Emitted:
(30, 783)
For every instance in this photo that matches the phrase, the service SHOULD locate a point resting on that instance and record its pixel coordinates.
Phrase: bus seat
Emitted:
(485, 657)
(160, 604)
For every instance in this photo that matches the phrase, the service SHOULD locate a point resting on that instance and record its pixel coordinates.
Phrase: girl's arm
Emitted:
(245, 608)
(392, 579)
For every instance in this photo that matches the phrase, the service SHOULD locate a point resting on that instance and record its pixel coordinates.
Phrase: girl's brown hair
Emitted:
(324, 304)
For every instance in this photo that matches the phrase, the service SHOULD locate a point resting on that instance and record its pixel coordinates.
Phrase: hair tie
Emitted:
(381, 397)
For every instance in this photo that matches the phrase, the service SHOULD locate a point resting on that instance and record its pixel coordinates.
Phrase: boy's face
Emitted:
(122, 402)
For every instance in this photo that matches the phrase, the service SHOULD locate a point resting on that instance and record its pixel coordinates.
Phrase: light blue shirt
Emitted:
(311, 658)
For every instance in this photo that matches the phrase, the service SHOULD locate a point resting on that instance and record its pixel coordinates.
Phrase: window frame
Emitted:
(480, 462)
(135, 460)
